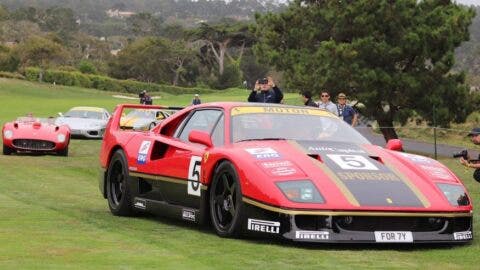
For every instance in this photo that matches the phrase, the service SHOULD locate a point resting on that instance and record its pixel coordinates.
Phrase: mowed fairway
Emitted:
(53, 216)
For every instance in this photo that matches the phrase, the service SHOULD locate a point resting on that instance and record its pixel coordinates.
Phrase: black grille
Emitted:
(34, 145)
(365, 223)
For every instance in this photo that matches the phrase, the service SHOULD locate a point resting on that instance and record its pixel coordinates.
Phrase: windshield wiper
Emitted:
(262, 139)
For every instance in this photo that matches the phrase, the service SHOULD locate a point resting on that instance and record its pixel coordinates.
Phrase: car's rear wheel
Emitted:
(7, 150)
(226, 210)
(118, 192)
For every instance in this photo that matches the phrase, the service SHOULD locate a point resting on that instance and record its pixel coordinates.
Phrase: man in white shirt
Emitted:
(326, 104)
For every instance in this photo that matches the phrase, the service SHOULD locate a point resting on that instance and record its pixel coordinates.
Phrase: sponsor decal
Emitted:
(312, 235)
(279, 168)
(466, 235)
(378, 176)
(140, 204)
(143, 151)
(335, 149)
(133, 169)
(417, 158)
(437, 172)
(279, 110)
(263, 226)
(188, 214)
(194, 171)
(352, 162)
(263, 153)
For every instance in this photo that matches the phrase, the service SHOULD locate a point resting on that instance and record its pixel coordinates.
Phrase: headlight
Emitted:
(300, 191)
(8, 134)
(455, 194)
(61, 138)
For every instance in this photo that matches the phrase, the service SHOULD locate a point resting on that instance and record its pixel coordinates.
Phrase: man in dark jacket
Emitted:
(145, 99)
(266, 92)
(307, 99)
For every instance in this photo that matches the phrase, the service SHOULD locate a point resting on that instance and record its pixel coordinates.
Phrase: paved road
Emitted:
(416, 146)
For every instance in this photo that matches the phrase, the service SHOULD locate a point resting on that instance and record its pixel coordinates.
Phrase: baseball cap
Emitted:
(196, 95)
(474, 131)
(342, 95)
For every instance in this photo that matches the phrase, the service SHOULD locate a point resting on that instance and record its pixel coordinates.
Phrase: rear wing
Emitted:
(120, 114)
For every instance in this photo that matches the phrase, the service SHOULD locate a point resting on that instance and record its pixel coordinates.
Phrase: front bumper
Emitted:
(88, 133)
(357, 227)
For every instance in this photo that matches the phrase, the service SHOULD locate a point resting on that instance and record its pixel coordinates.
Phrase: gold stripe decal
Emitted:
(353, 213)
(164, 179)
(343, 188)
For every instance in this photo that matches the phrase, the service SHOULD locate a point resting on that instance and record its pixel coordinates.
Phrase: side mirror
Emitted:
(395, 145)
(201, 137)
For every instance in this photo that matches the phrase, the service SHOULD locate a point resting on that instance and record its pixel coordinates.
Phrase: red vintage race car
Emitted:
(38, 135)
(274, 170)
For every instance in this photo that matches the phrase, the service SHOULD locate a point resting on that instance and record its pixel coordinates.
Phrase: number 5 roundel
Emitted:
(353, 162)
(194, 171)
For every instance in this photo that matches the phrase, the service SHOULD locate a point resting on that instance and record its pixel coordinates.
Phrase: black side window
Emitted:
(218, 133)
(203, 120)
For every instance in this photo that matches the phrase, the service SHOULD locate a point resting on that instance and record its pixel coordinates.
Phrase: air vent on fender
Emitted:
(159, 150)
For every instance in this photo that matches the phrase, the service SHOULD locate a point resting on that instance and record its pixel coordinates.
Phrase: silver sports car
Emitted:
(86, 122)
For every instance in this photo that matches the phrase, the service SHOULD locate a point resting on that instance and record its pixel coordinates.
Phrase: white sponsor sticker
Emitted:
(466, 235)
(143, 151)
(264, 226)
(263, 153)
(393, 237)
(437, 172)
(194, 171)
(188, 214)
(352, 162)
(312, 235)
(417, 158)
(140, 204)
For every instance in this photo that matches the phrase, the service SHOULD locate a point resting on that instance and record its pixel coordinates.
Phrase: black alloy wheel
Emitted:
(118, 192)
(226, 210)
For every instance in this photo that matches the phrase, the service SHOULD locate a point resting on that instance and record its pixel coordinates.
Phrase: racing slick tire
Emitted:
(7, 150)
(63, 152)
(118, 190)
(225, 201)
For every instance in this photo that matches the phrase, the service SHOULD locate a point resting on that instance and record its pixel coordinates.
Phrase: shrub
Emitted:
(11, 75)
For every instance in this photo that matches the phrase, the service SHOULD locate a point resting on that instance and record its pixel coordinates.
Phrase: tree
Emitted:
(144, 24)
(218, 38)
(393, 56)
(154, 59)
(41, 52)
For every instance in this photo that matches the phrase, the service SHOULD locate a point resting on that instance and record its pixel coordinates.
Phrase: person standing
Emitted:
(266, 91)
(196, 100)
(345, 111)
(307, 99)
(326, 104)
(145, 99)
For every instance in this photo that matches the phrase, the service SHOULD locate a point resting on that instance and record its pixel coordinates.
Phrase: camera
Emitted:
(263, 81)
(463, 153)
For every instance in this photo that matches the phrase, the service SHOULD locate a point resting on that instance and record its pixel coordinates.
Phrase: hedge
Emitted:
(72, 78)
(11, 75)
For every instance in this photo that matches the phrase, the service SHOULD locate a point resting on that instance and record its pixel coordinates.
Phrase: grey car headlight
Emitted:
(61, 138)
(455, 194)
(8, 134)
(303, 191)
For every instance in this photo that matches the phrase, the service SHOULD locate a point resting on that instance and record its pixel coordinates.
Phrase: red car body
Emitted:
(35, 135)
(262, 169)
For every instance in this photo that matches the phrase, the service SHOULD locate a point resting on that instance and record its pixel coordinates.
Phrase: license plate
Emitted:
(394, 237)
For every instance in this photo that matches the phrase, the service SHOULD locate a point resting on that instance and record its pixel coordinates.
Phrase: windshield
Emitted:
(256, 123)
(84, 114)
(142, 114)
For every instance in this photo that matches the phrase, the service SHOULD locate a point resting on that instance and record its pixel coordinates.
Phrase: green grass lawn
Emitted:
(53, 216)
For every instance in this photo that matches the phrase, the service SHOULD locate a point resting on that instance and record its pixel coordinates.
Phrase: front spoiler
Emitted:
(327, 227)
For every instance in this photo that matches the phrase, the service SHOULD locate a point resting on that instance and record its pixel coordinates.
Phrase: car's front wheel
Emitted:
(151, 126)
(226, 210)
(118, 192)
(63, 152)
(7, 150)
